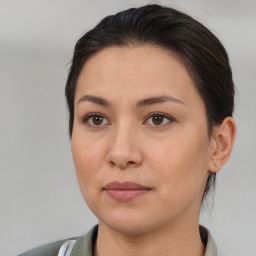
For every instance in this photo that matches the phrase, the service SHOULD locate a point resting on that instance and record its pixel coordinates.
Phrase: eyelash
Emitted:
(159, 114)
(86, 119)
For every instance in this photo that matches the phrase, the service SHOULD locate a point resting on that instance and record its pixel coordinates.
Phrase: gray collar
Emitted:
(84, 245)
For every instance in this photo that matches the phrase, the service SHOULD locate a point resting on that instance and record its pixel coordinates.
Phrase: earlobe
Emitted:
(222, 143)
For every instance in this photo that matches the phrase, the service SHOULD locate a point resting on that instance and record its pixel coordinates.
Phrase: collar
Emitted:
(210, 246)
(84, 245)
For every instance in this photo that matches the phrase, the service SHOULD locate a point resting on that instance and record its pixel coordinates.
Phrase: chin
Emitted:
(127, 228)
(130, 224)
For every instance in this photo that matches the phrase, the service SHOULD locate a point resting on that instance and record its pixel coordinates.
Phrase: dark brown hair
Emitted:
(198, 48)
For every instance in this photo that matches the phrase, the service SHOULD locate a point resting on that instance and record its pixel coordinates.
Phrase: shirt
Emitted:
(83, 246)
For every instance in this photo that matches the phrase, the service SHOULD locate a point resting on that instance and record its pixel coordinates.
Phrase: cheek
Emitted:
(87, 162)
(181, 165)
(88, 158)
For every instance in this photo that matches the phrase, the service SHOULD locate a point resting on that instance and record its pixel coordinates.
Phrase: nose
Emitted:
(124, 150)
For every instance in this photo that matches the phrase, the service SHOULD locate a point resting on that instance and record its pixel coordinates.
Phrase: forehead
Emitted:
(136, 71)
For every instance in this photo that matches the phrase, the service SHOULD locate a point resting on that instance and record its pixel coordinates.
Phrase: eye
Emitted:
(159, 119)
(94, 120)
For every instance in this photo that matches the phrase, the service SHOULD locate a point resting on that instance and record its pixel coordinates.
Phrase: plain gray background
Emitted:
(39, 196)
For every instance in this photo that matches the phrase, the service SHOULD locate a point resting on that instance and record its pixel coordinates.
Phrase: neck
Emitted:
(166, 241)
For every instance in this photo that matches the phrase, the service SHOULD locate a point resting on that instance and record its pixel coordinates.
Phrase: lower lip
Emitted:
(126, 195)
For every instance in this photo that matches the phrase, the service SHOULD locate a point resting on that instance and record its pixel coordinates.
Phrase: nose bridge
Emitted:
(123, 132)
(124, 150)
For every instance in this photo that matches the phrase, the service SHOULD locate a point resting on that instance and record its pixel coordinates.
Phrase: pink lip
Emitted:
(125, 191)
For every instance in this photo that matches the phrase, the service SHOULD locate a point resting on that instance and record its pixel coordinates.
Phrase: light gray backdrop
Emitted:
(39, 197)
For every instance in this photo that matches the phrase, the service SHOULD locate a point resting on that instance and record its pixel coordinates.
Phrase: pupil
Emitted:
(97, 120)
(157, 120)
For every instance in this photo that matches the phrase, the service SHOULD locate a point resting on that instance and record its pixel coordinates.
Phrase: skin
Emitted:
(172, 157)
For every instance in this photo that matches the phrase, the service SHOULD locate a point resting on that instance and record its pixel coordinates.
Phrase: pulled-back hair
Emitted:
(197, 48)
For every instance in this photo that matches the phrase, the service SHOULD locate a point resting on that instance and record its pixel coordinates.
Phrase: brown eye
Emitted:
(97, 120)
(157, 120)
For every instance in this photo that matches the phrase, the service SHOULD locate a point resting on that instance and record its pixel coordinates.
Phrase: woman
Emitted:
(150, 96)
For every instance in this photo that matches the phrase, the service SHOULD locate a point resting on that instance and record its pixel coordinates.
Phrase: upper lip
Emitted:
(125, 186)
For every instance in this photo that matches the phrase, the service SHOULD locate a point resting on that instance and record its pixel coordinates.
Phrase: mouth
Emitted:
(126, 191)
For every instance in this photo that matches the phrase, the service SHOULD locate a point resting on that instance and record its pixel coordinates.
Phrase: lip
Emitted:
(125, 191)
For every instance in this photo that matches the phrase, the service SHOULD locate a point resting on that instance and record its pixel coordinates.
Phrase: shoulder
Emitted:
(83, 246)
(51, 249)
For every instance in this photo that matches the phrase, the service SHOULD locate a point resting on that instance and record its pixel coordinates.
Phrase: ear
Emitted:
(222, 141)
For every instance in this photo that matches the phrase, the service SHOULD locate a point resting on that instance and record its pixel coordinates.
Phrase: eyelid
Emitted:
(85, 119)
(164, 115)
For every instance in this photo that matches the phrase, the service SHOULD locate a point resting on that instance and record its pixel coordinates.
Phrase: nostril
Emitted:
(123, 164)
(112, 163)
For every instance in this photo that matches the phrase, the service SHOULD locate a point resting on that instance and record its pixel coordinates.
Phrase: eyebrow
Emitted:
(94, 99)
(158, 99)
(139, 104)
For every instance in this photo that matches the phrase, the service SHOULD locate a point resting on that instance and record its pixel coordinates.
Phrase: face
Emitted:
(140, 143)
